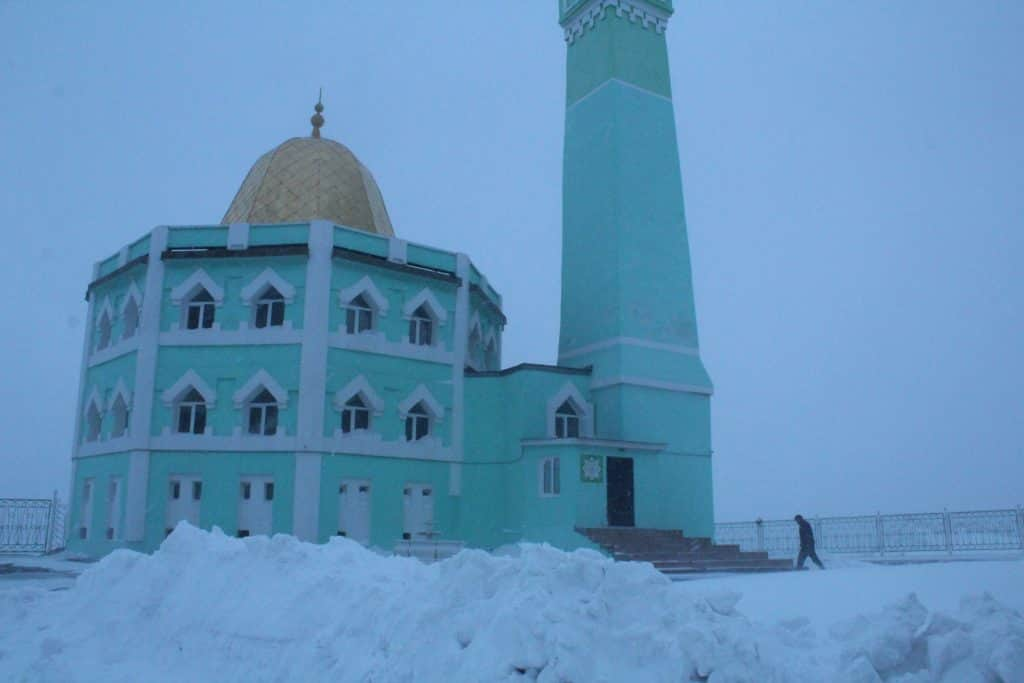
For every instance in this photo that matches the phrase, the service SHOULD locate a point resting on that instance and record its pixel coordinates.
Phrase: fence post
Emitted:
(879, 534)
(50, 520)
(760, 533)
(947, 530)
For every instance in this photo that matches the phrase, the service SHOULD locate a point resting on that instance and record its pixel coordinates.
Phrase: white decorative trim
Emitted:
(422, 394)
(629, 341)
(260, 283)
(93, 398)
(133, 292)
(597, 443)
(427, 297)
(238, 236)
(108, 310)
(397, 250)
(636, 10)
(616, 81)
(192, 283)
(569, 391)
(189, 379)
(113, 351)
(358, 386)
(120, 389)
(244, 336)
(364, 286)
(597, 385)
(261, 379)
(376, 342)
(310, 420)
(474, 324)
(237, 441)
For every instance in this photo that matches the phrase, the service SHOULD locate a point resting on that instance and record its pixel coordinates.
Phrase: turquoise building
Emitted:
(298, 368)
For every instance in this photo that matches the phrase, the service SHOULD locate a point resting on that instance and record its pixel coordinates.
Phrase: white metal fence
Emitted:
(942, 532)
(31, 525)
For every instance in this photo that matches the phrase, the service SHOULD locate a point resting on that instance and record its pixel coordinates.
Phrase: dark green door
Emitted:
(620, 492)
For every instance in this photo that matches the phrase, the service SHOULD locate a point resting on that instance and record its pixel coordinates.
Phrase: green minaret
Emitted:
(627, 292)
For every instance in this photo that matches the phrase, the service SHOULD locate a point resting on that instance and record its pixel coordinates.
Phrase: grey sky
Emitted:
(852, 174)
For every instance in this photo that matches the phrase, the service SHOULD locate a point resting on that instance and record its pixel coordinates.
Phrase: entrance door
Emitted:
(418, 511)
(620, 492)
(354, 510)
(255, 506)
(183, 500)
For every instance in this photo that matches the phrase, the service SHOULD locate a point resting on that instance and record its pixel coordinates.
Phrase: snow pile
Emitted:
(208, 607)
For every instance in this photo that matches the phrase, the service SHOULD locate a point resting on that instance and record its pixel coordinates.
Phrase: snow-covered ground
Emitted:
(210, 608)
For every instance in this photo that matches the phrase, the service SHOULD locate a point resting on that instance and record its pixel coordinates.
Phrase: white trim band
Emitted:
(651, 384)
(629, 341)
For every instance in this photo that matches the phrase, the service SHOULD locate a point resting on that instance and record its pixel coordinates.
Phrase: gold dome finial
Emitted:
(317, 119)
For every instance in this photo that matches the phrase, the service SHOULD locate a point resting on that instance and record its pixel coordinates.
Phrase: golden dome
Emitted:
(310, 178)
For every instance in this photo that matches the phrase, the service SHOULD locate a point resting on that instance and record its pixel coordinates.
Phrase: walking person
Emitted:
(806, 544)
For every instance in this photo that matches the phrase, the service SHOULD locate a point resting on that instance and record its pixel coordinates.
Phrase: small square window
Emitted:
(364, 489)
(242, 533)
(406, 536)
(341, 533)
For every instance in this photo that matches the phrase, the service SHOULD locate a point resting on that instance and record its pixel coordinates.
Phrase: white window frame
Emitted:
(563, 421)
(132, 297)
(434, 411)
(173, 396)
(549, 477)
(436, 316)
(371, 295)
(253, 296)
(583, 408)
(104, 326)
(353, 413)
(278, 303)
(356, 313)
(265, 409)
(93, 430)
(184, 294)
(418, 415)
(193, 408)
(243, 399)
(359, 386)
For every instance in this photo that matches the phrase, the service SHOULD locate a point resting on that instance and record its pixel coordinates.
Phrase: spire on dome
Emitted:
(317, 119)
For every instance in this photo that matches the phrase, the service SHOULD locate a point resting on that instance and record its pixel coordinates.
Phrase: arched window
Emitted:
(421, 327)
(358, 315)
(93, 423)
(263, 414)
(191, 413)
(567, 421)
(417, 423)
(200, 311)
(491, 356)
(131, 318)
(119, 411)
(355, 415)
(104, 330)
(270, 308)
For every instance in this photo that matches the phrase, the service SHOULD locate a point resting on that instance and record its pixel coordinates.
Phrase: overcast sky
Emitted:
(852, 173)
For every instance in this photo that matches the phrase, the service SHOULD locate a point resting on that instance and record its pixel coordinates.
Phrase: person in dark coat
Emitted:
(806, 544)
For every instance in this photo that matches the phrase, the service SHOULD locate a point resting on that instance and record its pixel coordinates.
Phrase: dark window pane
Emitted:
(350, 321)
(200, 421)
(271, 428)
(246, 490)
(255, 417)
(261, 315)
(573, 427)
(202, 295)
(184, 419)
(559, 427)
(268, 491)
(193, 396)
(346, 421)
(426, 332)
(207, 316)
(271, 294)
(409, 428)
(197, 490)
(192, 322)
(365, 320)
(412, 331)
(277, 313)
(362, 419)
(422, 427)
(242, 533)
(175, 490)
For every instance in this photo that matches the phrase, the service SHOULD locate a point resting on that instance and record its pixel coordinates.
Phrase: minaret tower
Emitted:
(627, 292)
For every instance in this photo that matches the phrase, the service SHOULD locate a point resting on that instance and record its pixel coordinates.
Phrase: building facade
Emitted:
(297, 368)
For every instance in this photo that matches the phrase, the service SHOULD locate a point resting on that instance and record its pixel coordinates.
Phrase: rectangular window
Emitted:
(199, 426)
(246, 490)
(197, 490)
(550, 477)
(268, 491)
(175, 490)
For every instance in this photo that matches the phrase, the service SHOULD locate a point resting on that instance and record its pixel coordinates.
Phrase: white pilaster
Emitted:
(459, 343)
(312, 380)
(144, 396)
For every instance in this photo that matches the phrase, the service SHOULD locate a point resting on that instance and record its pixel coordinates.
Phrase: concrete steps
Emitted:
(674, 554)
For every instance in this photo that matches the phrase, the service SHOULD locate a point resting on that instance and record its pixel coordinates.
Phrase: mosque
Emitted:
(299, 368)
